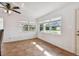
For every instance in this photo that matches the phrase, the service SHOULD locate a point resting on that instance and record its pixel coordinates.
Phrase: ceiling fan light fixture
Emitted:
(8, 8)
(10, 12)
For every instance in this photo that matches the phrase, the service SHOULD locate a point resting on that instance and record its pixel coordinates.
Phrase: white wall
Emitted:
(12, 30)
(67, 39)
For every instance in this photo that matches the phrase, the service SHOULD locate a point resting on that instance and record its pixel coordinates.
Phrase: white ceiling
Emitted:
(34, 10)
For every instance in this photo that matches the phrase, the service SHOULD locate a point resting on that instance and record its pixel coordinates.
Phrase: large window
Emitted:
(53, 26)
(29, 27)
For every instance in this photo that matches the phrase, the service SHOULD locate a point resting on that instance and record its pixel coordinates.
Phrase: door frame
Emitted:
(75, 30)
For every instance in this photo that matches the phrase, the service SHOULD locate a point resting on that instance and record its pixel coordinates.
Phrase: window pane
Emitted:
(47, 27)
(56, 26)
(41, 27)
(25, 27)
(31, 27)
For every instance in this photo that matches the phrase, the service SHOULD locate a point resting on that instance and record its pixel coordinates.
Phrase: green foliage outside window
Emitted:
(53, 26)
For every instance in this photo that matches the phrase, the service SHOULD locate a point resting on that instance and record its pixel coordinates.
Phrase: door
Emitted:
(77, 32)
(1, 34)
(1, 31)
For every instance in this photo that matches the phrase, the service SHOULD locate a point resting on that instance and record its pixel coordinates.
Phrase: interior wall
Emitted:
(67, 39)
(12, 29)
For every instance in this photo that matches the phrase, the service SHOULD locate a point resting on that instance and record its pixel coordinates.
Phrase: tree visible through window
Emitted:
(51, 26)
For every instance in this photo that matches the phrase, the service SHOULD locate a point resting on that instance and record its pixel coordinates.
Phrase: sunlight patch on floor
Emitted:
(41, 49)
(47, 53)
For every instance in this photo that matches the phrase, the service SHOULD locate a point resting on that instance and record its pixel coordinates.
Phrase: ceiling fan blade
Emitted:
(8, 5)
(2, 7)
(2, 3)
(16, 7)
(16, 11)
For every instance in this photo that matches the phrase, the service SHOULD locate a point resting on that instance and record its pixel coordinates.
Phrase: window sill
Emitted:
(50, 33)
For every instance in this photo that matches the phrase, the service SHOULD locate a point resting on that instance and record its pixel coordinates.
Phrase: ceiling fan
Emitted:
(8, 7)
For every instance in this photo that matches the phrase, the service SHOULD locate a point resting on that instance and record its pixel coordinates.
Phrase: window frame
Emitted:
(49, 31)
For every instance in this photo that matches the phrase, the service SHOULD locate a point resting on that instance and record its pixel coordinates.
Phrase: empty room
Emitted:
(39, 28)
